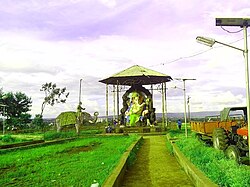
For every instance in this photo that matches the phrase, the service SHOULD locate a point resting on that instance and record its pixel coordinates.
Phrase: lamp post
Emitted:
(244, 23)
(185, 103)
(189, 113)
(80, 90)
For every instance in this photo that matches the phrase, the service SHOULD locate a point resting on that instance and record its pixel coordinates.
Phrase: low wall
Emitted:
(115, 179)
(198, 177)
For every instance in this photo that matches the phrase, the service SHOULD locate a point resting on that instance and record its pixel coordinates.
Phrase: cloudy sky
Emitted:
(68, 40)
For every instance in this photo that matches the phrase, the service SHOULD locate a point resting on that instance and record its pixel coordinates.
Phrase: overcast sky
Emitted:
(63, 41)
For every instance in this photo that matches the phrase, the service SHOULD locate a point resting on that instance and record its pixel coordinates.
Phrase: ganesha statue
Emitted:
(137, 107)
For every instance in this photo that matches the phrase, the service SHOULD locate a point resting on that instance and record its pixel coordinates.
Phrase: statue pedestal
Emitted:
(138, 129)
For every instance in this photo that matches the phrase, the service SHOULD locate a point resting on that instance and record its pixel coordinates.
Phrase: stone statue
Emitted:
(75, 118)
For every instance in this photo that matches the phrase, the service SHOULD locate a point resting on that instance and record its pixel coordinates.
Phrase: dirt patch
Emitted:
(7, 169)
(76, 150)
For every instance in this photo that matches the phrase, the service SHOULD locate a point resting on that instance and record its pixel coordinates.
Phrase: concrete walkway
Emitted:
(155, 166)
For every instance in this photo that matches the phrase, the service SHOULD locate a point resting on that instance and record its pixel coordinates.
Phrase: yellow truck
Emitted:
(227, 131)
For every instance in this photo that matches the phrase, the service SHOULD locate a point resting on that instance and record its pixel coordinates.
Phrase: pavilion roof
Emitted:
(137, 75)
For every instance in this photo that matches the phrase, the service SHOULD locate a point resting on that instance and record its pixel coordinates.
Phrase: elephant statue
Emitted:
(70, 118)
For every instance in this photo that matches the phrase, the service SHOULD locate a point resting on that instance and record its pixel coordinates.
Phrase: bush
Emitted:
(51, 135)
(7, 138)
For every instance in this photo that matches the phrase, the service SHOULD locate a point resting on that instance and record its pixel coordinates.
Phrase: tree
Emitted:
(53, 95)
(38, 121)
(17, 106)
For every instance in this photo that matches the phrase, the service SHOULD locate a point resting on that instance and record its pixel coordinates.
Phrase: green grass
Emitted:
(10, 138)
(75, 163)
(212, 162)
(49, 135)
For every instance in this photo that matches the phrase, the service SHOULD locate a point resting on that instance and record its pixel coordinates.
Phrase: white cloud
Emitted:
(109, 3)
(65, 41)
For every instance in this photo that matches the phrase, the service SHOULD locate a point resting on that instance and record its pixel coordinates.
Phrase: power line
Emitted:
(195, 54)
(231, 32)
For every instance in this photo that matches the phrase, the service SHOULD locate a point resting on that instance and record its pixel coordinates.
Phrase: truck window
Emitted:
(236, 115)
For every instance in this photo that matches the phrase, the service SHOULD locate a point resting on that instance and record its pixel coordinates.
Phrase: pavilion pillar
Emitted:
(114, 102)
(152, 92)
(107, 102)
(117, 89)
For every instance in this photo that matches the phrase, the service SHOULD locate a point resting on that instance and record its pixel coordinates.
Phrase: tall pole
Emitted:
(3, 115)
(185, 104)
(163, 105)
(189, 113)
(185, 107)
(165, 100)
(247, 85)
(80, 90)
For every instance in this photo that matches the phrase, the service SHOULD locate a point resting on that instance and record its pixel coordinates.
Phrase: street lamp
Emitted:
(189, 113)
(185, 103)
(80, 89)
(210, 42)
(244, 23)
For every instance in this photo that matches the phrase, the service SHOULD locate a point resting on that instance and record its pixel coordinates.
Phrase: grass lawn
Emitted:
(212, 162)
(75, 163)
(17, 138)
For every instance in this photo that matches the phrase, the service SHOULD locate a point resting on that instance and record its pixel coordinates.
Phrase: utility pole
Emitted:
(80, 90)
(185, 103)
(189, 113)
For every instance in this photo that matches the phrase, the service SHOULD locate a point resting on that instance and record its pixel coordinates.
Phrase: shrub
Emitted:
(51, 135)
(8, 138)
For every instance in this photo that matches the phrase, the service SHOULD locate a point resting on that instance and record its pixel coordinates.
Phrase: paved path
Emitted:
(155, 166)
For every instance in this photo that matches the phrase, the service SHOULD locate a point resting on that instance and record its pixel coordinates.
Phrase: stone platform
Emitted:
(139, 129)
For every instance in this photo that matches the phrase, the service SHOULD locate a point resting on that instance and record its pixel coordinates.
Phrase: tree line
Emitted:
(15, 107)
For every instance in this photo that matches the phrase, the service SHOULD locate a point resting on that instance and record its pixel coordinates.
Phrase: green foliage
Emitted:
(7, 138)
(75, 163)
(213, 162)
(38, 121)
(17, 106)
(53, 95)
(20, 121)
(52, 135)
(10, 138)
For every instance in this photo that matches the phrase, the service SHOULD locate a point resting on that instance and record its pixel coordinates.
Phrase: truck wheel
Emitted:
(232, 152)
(198, 136)
(220, 139)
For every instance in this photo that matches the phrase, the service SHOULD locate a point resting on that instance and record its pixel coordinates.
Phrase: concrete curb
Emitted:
(198, 177)
(116, 177)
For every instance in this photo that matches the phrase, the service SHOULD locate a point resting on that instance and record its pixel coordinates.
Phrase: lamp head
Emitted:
(205, 40)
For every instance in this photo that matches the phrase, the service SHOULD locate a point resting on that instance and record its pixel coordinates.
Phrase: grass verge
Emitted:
(212, 162)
